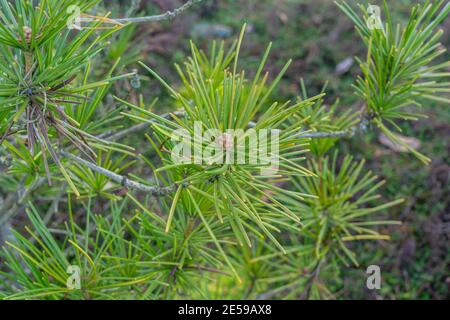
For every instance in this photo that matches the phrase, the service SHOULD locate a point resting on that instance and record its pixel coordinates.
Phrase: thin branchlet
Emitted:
(168, 15)
(349, 132)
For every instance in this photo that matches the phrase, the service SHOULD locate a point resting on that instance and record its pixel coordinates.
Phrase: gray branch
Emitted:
(361, 126)
(163, 191)
(123, 180)
(160, 17)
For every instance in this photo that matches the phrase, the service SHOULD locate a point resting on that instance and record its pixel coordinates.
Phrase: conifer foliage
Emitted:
(95, 172)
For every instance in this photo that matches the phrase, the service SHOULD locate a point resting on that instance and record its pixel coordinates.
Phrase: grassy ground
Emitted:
(318, 37)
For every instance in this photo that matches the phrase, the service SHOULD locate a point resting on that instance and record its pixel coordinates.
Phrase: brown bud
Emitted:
(27, 31)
